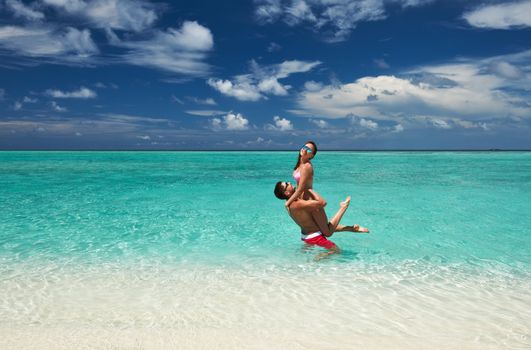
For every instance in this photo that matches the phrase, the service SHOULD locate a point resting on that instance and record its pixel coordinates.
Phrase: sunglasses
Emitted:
(307, 149)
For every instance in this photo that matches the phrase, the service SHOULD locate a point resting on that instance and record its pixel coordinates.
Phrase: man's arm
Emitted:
(310, 204)
(316, 196)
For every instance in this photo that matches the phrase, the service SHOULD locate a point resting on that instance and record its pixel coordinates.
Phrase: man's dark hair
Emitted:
(279, 191)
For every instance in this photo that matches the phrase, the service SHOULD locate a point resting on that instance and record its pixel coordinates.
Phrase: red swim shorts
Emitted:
(321, 241)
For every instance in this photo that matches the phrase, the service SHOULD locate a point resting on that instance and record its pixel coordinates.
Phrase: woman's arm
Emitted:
(306, 177)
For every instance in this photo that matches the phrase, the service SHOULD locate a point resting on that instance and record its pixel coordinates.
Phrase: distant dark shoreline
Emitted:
(259, 150)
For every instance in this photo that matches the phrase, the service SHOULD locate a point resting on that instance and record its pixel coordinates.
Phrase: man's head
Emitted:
(284, 190)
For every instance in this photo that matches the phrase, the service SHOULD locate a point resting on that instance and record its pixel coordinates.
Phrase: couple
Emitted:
(306, 207)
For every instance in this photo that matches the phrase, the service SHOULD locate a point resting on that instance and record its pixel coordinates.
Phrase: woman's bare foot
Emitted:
(346, 202)
(358, 228)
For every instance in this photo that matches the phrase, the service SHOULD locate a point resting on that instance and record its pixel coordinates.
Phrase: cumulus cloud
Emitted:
(398, 128)
(501, 16)
(470, 90)
(82, 93)
(280, 124)
(230, 121)
(335, 20)
(67, 44)
(262, 81)
(241, 88)
(180, 50)
(20, 10)
(131, 15)
(17, 106)
(369, 124)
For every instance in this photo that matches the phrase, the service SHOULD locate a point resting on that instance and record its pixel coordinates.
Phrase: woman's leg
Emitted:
(328, 228)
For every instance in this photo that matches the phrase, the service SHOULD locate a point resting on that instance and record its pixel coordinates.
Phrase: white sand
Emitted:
(412, 306)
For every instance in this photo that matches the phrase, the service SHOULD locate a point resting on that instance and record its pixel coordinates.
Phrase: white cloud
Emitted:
(207, 101)
(264, 80)
(469, 125)
(235, 122)
(398, 128)
(281, 124)
(133, 119)
(144, 137)
(67, 44)
(501, 16)
(17, 106)
(505, 70)
(380, 63)
(27, 99)
(180, 50)
(230, 121)
(205, 113)
(312, 86)
(20, 10)
(216, 124)
(83, 93)
(470, 90)
(101, 85)
(268, 11)
(57, 108)
(322, 124)
(2, 94)
(259, 141)
(116, 125)
(241, 89)
(334, 19)
(131, 15)
(273, 47)
(369, 124)
(411, 3)
(440, 124)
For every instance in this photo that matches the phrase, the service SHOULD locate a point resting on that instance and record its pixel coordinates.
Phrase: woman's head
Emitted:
(307, 152)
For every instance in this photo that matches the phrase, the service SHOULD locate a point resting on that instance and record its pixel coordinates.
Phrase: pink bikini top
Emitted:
(297, 175)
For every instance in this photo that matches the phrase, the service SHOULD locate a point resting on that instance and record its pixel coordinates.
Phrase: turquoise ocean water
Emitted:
(462, 218)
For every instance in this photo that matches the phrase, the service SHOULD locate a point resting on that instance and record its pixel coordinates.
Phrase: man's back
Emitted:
(303, 217)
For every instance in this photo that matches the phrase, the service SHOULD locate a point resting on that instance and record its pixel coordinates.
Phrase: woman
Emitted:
(303, 171)
(303, 174)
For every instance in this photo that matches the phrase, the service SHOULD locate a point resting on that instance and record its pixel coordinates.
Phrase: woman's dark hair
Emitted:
(299, 158)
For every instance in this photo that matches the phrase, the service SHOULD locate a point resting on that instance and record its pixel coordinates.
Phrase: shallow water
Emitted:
(191, 249)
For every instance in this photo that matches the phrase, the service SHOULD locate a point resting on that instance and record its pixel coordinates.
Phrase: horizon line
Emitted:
(266, 150)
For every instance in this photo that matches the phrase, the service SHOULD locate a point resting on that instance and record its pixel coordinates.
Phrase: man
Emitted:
(309, 214)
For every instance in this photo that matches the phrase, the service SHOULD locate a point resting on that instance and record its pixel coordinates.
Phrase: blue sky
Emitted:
(265, 74)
